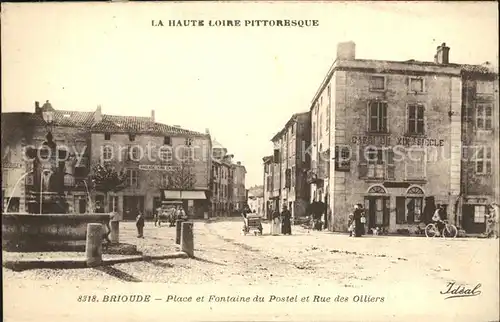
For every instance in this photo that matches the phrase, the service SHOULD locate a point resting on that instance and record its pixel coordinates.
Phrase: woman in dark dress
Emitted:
(358, 226)
(286, 224)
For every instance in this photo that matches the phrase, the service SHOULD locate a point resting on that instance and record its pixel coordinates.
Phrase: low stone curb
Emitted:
(19, 265)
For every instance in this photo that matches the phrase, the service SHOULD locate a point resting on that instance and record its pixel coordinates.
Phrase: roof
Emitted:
(137, 124)
(290, 121)
(109, 123)
(407, 66)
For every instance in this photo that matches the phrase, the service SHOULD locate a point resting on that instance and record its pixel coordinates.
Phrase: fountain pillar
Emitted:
(93, 246)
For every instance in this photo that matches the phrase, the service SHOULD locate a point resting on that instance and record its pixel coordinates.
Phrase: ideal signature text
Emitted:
(455, 291)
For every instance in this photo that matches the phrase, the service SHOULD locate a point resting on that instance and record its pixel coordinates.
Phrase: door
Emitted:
(82, 205)
(473, 219)
(132, 205)
(377, 211)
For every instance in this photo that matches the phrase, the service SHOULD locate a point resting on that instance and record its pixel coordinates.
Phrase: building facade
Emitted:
(161, 161)
(390, 135)
(239, 191)
(292, 159)
(22, 132)
(267, 194)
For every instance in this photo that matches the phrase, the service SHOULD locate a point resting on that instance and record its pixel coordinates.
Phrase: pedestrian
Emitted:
(350, 224)
(358, 226)
(139, 223)
(157, 217)
(182, 213)
(286, 223)
(275, 223)
(492, 221)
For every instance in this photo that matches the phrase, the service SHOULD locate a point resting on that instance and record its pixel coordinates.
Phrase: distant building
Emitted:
(291, 159)
(268, 179)
(256, 201)
(239, 190)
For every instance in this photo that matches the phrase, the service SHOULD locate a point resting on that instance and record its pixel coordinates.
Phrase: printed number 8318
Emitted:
(87, 298)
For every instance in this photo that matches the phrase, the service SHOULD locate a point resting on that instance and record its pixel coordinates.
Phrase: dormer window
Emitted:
(189, 142)
(131, 137)
(107, 136)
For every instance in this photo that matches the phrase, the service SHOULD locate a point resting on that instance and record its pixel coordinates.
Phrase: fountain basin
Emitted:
(48, 232)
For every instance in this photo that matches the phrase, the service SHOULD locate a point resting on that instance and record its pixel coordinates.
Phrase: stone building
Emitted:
(158, 158)
(22, 132)
(292, 156)
(239, 191)
(390, 135)
(162, 162)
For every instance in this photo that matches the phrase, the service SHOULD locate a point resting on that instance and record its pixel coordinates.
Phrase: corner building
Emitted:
(397, 140)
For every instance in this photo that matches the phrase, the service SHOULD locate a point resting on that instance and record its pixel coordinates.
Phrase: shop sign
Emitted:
(397, 140)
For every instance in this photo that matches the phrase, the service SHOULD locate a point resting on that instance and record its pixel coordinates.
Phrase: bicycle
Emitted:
(449, 230)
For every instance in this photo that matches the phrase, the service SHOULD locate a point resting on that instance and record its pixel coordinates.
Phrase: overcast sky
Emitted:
(241, 83)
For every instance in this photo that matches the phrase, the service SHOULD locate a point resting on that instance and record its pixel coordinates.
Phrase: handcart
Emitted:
(252, 223)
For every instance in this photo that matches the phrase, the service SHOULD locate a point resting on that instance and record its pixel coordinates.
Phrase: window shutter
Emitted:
(400, 210)
(363, 170)
(387, 211)
(390, 164)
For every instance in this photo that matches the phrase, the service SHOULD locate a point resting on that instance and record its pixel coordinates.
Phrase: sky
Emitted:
(243, 84)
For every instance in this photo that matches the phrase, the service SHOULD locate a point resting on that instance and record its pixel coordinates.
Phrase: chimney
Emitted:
(442, 54)
(98, 114)
(238, 163)
(152, 115)
(346, 50)
(37, 107)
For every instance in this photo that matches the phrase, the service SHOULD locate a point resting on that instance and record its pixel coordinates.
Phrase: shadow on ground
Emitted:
(112, 271)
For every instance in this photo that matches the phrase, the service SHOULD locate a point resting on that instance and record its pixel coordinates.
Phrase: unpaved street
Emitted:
(409, 271)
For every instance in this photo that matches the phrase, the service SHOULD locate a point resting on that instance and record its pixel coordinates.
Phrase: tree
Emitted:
(106, 178)
(183, 178)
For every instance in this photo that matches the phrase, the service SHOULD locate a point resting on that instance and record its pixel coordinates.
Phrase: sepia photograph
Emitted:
(250, 161)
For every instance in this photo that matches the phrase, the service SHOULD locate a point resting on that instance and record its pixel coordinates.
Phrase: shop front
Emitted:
(194, 202)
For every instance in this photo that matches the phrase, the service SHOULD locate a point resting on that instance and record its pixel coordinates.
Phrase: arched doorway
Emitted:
(377, 205)
(415, 204)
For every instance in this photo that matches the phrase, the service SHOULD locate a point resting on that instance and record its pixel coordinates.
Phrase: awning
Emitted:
(184, 195)
(193, 195)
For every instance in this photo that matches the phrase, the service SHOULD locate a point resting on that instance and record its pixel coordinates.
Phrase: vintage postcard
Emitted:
(250, 161)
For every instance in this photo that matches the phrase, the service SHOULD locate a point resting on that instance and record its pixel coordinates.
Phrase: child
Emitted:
(139, 222)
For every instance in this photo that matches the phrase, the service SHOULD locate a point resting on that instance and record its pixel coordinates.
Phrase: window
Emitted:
(113, 204)
(292, 179)
(167, 140)
(378, 117)
(376, 164)
(288, 178)
(483, 116)
(377, 83)
(320, 126)
(131, 137)
(342, 159)
(164, 180)
(416, 119)
(482, 159)
(133, 178)
(80, 172)
(189, 142)
(107, 153)
(29, 180)
(165, 154)
(188, 154)
(313, 132)
(328, 107)
(479, 212)
(416, 85)
(107, 136)
(415, 164)
(484, 87)
(133, 153)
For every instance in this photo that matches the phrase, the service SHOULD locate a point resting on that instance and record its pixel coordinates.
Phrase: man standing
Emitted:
(286, 223)
(139, 223)
(358, 225)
